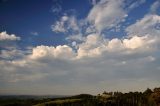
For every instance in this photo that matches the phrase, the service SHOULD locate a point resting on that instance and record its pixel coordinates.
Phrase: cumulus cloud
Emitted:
(96, 45)
(105, 61)
(5, 36)
(97, 61)
(93, 45)
(135, 42)
(89, 48)
(64, 52)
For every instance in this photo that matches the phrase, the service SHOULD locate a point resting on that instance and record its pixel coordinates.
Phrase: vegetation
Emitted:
(146, 98)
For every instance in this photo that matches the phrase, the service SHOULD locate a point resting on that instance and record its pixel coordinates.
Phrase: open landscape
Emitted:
(147, 98)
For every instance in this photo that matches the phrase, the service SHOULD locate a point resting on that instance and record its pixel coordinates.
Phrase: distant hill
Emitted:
(147, 98)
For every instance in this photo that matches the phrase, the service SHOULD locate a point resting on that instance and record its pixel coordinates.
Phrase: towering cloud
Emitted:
(46, 52)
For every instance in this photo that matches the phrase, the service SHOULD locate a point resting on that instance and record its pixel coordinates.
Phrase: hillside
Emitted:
(147, 98)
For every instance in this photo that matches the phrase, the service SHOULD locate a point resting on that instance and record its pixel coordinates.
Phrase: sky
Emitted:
(68, 47)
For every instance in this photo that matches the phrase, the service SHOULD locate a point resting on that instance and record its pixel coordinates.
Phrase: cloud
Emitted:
(56, 8)
(93, 2)
(149, 24)
(135, 42)
(96, 61)
(92, 59)
(19, 70)
(96, 45)
(91, 47)
(11, 54)
(34, 33)
(65, 24)
(155, 6)
(46, 52)
(59, 25)
(8, 41)
(4, 36)
(136, 4)
(77, 37)
(107, 14)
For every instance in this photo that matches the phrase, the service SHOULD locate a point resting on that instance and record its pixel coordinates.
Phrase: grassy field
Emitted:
(58, 102)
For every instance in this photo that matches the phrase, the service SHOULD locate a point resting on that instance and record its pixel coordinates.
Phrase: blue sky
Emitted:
(23, 18)
(78, 46)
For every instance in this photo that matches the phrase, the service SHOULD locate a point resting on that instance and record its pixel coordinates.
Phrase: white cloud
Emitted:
(149, 24)
(135, 42)
(96, 60)
(59, 25)
(4, 36)
(8, 42)
(65, 24)
(78, 37)
(91, 46)
(107, 14)
(105, 61)
(51, 52)
(96, 45)
(115, 44)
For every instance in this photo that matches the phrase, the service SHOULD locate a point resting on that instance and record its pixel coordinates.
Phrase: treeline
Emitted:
(129, 99)
(147, 98)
